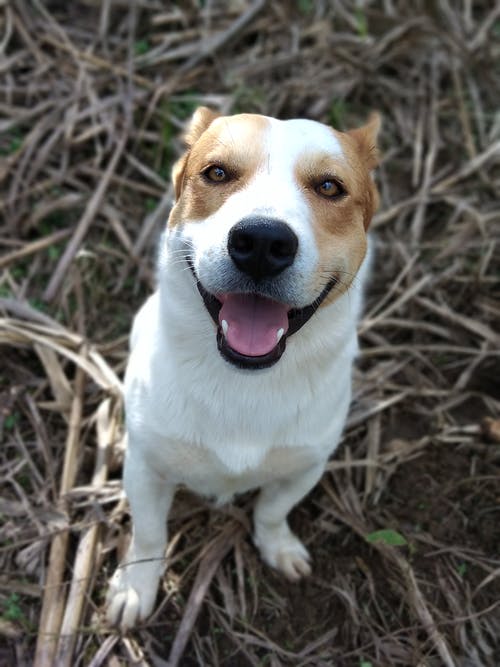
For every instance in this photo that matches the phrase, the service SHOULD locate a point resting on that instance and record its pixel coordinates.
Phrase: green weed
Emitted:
(305, 6)
(248, 99)
(151, 204)
(336, 116)
(361, 22)
(11, 142)
(387, 536)
(12, 609)
(10, 421)
(141, 47)
(54, 252)
(38, 304)
(5, 291)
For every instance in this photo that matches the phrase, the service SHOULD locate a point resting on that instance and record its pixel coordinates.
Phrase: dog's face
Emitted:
(271, 217)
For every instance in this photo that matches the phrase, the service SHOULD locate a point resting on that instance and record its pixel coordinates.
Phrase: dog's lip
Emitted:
(297, 317)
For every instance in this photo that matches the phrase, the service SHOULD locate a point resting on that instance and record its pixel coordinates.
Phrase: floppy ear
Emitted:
(201, 119)
(366, 140)
(178, 174)
(371, 201)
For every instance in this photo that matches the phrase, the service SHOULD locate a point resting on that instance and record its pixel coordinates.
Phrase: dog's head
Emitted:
(271, 217)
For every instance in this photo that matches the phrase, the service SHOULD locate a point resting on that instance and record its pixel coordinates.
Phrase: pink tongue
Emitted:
(253, 322)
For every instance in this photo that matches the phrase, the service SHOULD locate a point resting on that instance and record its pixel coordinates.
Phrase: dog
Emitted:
(239, 375)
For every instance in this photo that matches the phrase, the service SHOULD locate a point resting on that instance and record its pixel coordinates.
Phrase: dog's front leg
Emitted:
(277, 544)
(133, 586)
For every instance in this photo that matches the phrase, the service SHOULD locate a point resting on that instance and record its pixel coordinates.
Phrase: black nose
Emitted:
(262, 247)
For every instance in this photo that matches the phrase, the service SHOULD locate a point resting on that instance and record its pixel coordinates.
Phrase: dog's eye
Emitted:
(330, 188)
(215, 174)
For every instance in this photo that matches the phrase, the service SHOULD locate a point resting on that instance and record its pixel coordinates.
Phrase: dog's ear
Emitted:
(178, 174)
(371, 203)
(366, 140)
(200, 121)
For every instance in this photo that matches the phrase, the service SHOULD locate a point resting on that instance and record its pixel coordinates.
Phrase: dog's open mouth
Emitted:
(252, 330)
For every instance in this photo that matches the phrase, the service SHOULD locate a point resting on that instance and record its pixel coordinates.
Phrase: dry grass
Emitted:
(93, 95)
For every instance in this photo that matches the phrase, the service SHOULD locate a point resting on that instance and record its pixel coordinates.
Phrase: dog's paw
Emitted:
(131, 596)
(294, 561)
(283, 551)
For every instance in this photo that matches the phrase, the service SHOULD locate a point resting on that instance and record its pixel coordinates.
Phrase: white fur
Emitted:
(273, 193)
(194, 419)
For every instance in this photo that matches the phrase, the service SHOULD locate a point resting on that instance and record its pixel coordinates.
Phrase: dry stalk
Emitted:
(93, 98)
(85, 222)
(82, 578)
(54, 589)
(206, 571)
(414, 597)
(34, 247)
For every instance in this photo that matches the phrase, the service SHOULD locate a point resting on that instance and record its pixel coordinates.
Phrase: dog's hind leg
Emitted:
(133, 587)
(277, 544)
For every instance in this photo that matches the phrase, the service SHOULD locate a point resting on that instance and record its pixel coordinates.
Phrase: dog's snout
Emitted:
(262, 247)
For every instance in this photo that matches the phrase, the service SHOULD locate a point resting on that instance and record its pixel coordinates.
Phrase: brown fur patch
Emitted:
(340, 224)
(202, 118)
(236, 143)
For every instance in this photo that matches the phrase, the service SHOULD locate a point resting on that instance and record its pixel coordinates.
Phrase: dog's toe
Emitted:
(123, 609)
(293, 564)
(294, 561)
(283, 551)
(127, 604)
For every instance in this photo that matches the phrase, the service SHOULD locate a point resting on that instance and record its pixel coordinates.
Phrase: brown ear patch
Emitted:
(202, 118)
(200, 121)
(371, 205)
(178, 174)
(366, 140)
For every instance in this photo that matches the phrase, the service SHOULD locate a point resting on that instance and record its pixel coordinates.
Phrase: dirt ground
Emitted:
(404, 527)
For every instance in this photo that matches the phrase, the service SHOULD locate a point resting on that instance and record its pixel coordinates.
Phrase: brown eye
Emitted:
(215, 174)
(330, 188)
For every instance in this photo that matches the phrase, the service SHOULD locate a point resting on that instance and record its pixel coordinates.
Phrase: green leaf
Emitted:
(38, 304)
(54, 252)
(337, 113)
(141, 47)
(362, 22)
(10, 421)
(387, 536)
(151, 204)
(365, 663)
(13, 611)
(305, 6)
(11, 142)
